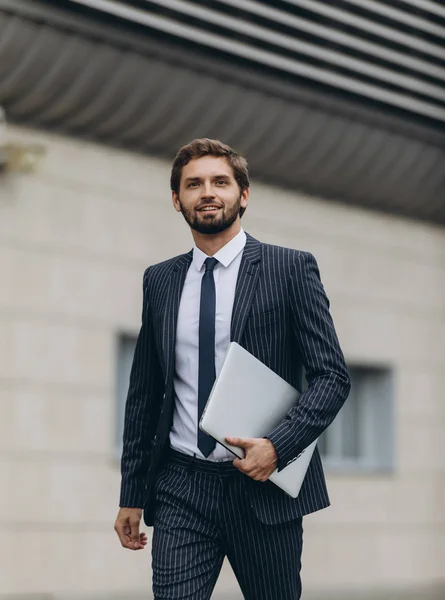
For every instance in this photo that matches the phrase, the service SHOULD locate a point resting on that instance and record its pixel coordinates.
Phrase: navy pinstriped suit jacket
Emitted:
(280, 315)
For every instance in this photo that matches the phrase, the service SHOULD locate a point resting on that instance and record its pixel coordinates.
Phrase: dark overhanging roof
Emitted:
(371, 49)
(99, 79)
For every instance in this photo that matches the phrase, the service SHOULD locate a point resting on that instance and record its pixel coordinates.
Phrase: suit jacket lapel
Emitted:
(245, 286)
(177, 278)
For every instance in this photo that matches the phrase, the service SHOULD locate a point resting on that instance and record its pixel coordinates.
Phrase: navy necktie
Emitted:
(207, 373)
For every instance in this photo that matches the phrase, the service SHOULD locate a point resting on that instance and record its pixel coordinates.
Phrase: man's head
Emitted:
(210, 185)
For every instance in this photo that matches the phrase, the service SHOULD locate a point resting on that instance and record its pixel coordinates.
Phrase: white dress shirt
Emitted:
(184, 432)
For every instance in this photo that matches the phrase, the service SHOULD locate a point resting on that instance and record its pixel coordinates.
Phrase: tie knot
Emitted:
(210, 263)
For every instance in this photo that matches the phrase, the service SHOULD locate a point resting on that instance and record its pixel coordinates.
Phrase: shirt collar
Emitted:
(225, 255)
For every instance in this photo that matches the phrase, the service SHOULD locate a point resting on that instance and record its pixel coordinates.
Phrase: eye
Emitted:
(221, 182)
(192, 184)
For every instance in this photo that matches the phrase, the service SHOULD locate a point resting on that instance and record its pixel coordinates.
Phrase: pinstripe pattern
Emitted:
(201, 517)
(281, 315)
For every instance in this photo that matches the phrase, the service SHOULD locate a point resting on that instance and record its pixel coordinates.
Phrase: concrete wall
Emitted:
(75, 238)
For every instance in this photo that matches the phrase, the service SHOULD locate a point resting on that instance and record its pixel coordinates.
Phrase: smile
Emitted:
(209, 209)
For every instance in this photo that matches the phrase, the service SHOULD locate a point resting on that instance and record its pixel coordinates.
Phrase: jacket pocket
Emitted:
(265, 318)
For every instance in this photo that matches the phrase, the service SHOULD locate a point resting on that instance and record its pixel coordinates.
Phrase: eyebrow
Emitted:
(213, 177)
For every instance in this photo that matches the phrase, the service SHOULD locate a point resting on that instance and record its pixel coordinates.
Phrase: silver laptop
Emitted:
(249, 400)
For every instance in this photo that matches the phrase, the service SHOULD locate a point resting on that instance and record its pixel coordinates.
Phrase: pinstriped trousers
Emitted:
(203, 514)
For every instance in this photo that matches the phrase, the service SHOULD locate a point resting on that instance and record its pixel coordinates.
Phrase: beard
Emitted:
(211, 224)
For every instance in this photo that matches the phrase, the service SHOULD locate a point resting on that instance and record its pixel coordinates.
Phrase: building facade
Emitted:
(76, 237)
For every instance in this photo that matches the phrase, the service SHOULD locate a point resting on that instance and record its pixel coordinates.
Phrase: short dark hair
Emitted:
(207, 147)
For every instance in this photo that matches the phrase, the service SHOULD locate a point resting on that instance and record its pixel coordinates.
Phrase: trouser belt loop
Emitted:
(191, 463)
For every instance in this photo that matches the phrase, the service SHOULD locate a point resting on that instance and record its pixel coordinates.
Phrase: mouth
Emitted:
(209, 209)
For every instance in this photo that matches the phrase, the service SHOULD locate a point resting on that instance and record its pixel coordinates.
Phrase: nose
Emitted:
(207, 190)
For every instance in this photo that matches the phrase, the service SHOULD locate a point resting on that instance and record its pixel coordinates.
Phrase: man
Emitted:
(203, 504)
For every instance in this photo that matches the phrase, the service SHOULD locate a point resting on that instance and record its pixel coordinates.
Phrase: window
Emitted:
(126, 345)
(362, 435)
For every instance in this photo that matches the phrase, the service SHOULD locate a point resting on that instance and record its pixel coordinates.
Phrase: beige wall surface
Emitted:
(75, 238)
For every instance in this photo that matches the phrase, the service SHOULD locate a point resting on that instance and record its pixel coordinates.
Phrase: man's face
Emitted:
(209, 196)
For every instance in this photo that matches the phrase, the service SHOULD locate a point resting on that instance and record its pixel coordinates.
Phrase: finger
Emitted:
(239, 464)
(261, 475)
(246, 463)
(124, 532)
(253, 470)
(124, 538)
(239, 442)
(242, 465)
(134, 534)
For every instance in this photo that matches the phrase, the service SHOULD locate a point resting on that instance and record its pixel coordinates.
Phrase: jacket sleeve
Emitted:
(140, 409)
(326, 372)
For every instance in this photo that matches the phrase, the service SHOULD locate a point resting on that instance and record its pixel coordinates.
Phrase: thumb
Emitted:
(239, 442)
(134, 530)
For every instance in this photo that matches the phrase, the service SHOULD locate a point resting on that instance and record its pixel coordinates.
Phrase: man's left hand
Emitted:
(260, 457)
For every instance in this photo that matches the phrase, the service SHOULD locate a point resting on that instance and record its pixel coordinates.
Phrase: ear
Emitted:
(245, 198)
(175, 199)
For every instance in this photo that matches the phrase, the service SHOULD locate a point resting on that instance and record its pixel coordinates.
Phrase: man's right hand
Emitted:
(127, 528)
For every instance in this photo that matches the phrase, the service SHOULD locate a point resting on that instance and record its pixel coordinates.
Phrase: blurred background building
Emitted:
(340, 109)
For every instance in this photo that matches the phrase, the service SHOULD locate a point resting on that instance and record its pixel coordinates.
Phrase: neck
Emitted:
(211, 243)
